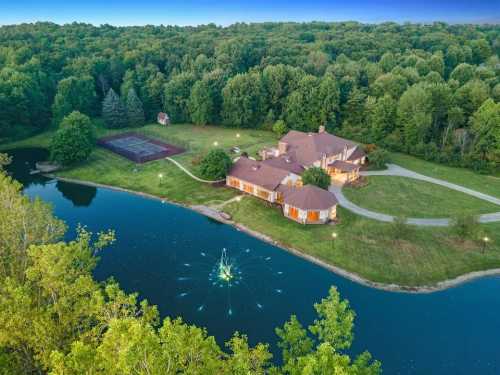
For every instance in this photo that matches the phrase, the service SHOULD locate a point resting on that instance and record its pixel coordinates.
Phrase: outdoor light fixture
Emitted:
(160, 175)
(237, 135)
(216, 143)
(334, 236)
(486, 239)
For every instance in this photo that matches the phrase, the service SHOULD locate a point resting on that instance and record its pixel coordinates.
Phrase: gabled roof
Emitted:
(310, 147)
(257, 173)
(311, 197)
(286, 162)
(358, 153)
(343, 166)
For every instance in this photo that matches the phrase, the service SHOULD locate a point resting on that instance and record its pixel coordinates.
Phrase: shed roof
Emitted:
(311, 197)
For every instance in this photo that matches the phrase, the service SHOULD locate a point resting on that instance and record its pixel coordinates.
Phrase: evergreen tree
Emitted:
(114, 112)
(135, 110)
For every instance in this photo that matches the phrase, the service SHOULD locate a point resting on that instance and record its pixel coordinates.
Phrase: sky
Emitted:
(225, 12)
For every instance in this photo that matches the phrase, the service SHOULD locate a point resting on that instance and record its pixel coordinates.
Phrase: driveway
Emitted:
(396, 170)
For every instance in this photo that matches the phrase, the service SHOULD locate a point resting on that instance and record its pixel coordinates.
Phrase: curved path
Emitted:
(395, 170)
(192, 175)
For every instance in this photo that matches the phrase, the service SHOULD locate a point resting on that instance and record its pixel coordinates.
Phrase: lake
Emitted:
(168, 254)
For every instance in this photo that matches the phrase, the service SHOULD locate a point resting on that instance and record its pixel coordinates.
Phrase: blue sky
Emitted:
(224, 12)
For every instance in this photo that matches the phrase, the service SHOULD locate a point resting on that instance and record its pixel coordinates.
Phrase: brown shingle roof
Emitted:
(358, 153)
(310, 147)
(286, 162)
(311, 197)
(344, 166)
(257, 173)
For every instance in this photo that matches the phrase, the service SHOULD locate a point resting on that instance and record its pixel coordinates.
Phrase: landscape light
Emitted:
(237, 135)
(160, 175)
(486, 239)
(334, 235)
(216, 143)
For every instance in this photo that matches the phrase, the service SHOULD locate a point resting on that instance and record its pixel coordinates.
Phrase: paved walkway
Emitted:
(395, 170)
(190, 174)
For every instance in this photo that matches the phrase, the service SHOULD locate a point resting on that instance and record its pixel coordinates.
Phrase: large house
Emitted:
(277, 178)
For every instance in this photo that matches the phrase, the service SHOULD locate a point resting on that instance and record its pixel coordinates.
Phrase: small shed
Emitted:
(310, 205)
(163, 119)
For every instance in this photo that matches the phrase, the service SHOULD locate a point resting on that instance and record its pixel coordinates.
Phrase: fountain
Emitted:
(244, 277)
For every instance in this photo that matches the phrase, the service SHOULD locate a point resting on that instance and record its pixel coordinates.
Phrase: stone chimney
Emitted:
(321, 129)
(282, 147)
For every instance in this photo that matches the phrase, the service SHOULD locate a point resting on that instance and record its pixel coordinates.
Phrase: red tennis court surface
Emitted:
(138, 147)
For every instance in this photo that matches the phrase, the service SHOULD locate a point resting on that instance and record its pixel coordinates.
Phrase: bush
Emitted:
(379, 158)
(215, 165)
(317, 177)
(74, 141)
(280, 128)
(400, 228)
(465, 226)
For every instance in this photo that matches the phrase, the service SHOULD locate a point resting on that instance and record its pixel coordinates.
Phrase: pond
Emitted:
(171, 255)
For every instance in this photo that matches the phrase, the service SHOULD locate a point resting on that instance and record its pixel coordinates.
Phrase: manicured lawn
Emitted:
(108, 168)
(484, 183)
(368, 248)
(400, 196)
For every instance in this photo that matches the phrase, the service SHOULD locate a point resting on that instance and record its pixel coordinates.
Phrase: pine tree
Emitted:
(135, 110)
(114, 112)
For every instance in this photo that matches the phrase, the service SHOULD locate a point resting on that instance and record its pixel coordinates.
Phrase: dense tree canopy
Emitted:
(359, 80)
(316, 176)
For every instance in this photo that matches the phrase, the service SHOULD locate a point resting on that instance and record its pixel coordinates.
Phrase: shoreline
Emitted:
(214, 214)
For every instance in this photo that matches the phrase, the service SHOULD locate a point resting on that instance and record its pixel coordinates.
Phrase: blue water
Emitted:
(160, 245)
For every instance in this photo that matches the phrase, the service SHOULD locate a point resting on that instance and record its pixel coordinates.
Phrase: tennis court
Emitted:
(138, 148)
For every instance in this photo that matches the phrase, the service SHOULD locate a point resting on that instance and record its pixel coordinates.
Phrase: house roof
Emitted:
(358, 153)
(310, 147)
(343, 166)
(311, 197)
(257, 173)
(285, 162)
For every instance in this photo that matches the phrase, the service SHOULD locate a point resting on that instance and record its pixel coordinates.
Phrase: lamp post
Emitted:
(216, 143)
(334, 237)
(160, 178)
(237, 135)
(486, 239)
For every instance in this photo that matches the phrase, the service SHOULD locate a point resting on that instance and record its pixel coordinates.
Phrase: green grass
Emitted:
(368, 248)
(365, 247)
(401, 196)
(465, 177)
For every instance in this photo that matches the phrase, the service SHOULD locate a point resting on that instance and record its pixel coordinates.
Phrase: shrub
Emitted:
(400, 228)
(465, 226)
(74, 141)
(280, 128)
(316, 176)
(379, 158)
(215, 165)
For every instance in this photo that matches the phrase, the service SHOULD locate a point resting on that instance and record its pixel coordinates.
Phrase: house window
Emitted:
(263, 194)
(248, 188)
(234, 183)
(312, 216)
(293, 212)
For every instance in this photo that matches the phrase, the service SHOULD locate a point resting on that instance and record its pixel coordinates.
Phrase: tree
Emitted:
(381, 117)
(243, 101)
(414, 114)
(379, 158)
(176, 96)
(114, 111)
(215, 165)
(135, 111)
(74, 94)
(205, 101)
(74, 140)
(485, 124)
(462, 73)
(319, 350)
(316, 176)
(465, 226)
(280, 128)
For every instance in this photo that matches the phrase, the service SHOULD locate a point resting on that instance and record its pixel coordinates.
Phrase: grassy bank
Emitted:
(368, 248)
(400, 196)
(365, 247)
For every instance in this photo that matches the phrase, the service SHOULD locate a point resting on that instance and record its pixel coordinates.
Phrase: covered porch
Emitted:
(342, 171)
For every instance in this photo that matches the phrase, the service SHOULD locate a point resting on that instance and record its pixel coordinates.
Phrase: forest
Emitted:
(428, 90)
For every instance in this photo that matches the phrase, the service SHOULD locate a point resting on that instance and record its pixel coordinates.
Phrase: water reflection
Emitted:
(79, 195)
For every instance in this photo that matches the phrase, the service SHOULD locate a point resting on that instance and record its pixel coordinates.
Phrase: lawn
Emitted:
(107, 168)
(368, 248)
(465, 177)
(400, 196)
